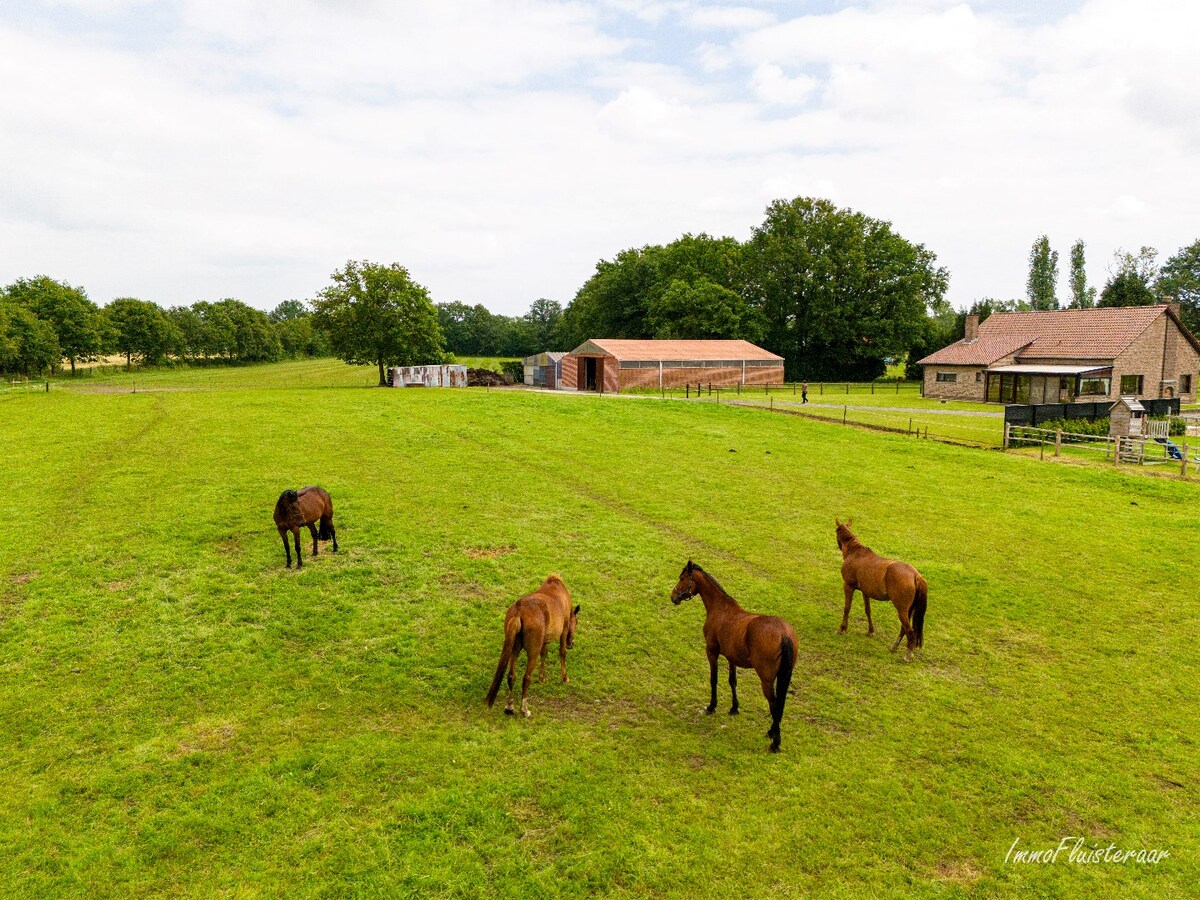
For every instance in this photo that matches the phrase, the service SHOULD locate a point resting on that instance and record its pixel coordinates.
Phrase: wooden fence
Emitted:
(1145, 450)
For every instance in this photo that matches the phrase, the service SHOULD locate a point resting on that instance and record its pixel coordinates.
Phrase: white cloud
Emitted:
(499, 149)
(773, 87)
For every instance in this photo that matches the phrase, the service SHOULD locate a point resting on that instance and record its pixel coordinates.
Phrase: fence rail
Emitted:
(1144, 450)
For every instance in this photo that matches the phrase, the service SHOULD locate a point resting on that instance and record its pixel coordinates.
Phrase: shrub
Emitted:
(514, 369)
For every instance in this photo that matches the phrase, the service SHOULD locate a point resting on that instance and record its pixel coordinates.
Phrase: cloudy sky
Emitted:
(198, 149)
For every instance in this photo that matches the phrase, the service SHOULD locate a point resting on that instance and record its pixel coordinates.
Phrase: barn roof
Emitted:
(1084, 334)
(652, 351)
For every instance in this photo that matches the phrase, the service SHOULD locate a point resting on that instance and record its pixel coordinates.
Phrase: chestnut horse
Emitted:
(883, 579)
(530, 625)
(295, 509)
(766, 644)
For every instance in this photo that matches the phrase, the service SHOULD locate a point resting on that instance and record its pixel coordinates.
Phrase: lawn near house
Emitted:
(183, 715)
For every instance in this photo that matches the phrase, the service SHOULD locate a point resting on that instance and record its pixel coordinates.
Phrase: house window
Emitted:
(993, 388)
(1185, 383)
(1131, 384)
(947, 376)
(1091, 386)
(978, 376)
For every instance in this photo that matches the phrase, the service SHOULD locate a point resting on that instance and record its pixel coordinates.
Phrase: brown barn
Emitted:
(617, 365)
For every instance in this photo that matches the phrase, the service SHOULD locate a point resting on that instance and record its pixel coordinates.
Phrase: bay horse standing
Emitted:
(883, 579)
(530, 624)
(307, 506)
(766, 644)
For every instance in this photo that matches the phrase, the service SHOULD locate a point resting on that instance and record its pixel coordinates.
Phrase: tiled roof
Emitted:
(655, 350)
(980, 352)
(1087, 334)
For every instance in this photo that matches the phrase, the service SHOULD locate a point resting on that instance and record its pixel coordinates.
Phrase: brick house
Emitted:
(1058, 356)
(610, 366)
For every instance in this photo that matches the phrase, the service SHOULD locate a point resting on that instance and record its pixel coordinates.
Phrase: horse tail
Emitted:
(787, 662)
(512, 629)
(917, 613)
(325, 533)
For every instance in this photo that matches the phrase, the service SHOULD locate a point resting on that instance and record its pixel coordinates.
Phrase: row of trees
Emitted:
(43, 322)
(1134, 280)
(476, 331)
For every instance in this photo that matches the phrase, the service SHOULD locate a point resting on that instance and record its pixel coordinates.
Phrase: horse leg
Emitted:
(333, 534)
(713, 653)
(542, 661)
(908, 630)
(296, 535)
(846, 611)
(532, 659)
(867, 607)
(562, 656)
(899, 638)
(287, 550)
(768, 689)
(512, 672)
(733, 710)
(312, 528)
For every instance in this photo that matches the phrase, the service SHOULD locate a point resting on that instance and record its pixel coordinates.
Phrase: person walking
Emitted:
(804, 392)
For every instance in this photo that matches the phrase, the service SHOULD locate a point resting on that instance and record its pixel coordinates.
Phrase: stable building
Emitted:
(610, 366)
(1068, 355)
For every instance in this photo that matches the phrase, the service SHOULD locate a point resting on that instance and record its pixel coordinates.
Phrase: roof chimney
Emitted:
(972, 328)
(1175, 307)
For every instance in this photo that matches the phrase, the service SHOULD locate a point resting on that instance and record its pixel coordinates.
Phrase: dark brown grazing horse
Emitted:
(530, 625)
(295, 509)
(883, 579)
(766, 644)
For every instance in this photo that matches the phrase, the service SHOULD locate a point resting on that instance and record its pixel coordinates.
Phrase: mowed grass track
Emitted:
(182, 715)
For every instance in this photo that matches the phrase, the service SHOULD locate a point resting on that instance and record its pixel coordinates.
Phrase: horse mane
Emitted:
(852, 542)
(712, 580)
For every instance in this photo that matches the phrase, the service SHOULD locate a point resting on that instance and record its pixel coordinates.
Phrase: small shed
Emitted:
(1126, 417)
(544, 369)
(428, 376)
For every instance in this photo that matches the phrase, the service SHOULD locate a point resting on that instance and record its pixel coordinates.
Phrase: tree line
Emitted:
(836, 293)
(44, 322)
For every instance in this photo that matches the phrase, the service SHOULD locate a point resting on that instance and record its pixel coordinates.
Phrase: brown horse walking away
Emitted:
(295, 509)
(883, 579)
(530, 625)
(766, 644)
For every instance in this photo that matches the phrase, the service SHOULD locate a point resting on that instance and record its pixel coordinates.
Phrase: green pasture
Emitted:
(183, 716)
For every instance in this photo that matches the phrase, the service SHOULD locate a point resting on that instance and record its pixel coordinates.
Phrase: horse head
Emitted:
(844, 534)
(686, 588)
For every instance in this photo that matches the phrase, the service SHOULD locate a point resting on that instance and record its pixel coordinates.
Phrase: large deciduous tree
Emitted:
(28, 344)
(1043, 275)
(1131, 279)
(1179, 280)
(1082, 296)
(74, 318)
(376, 314)
(840, 291)
(140, 328)
(627, 297)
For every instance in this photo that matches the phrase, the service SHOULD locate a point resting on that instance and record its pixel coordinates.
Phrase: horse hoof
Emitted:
(527, 713)
(508, 712)
(842, 630)
(870, 631)
(709, 710)
(733, 711)
(566, 680)
(774, 748)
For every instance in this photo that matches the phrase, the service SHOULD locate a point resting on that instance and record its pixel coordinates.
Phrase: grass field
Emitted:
(181, 715)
